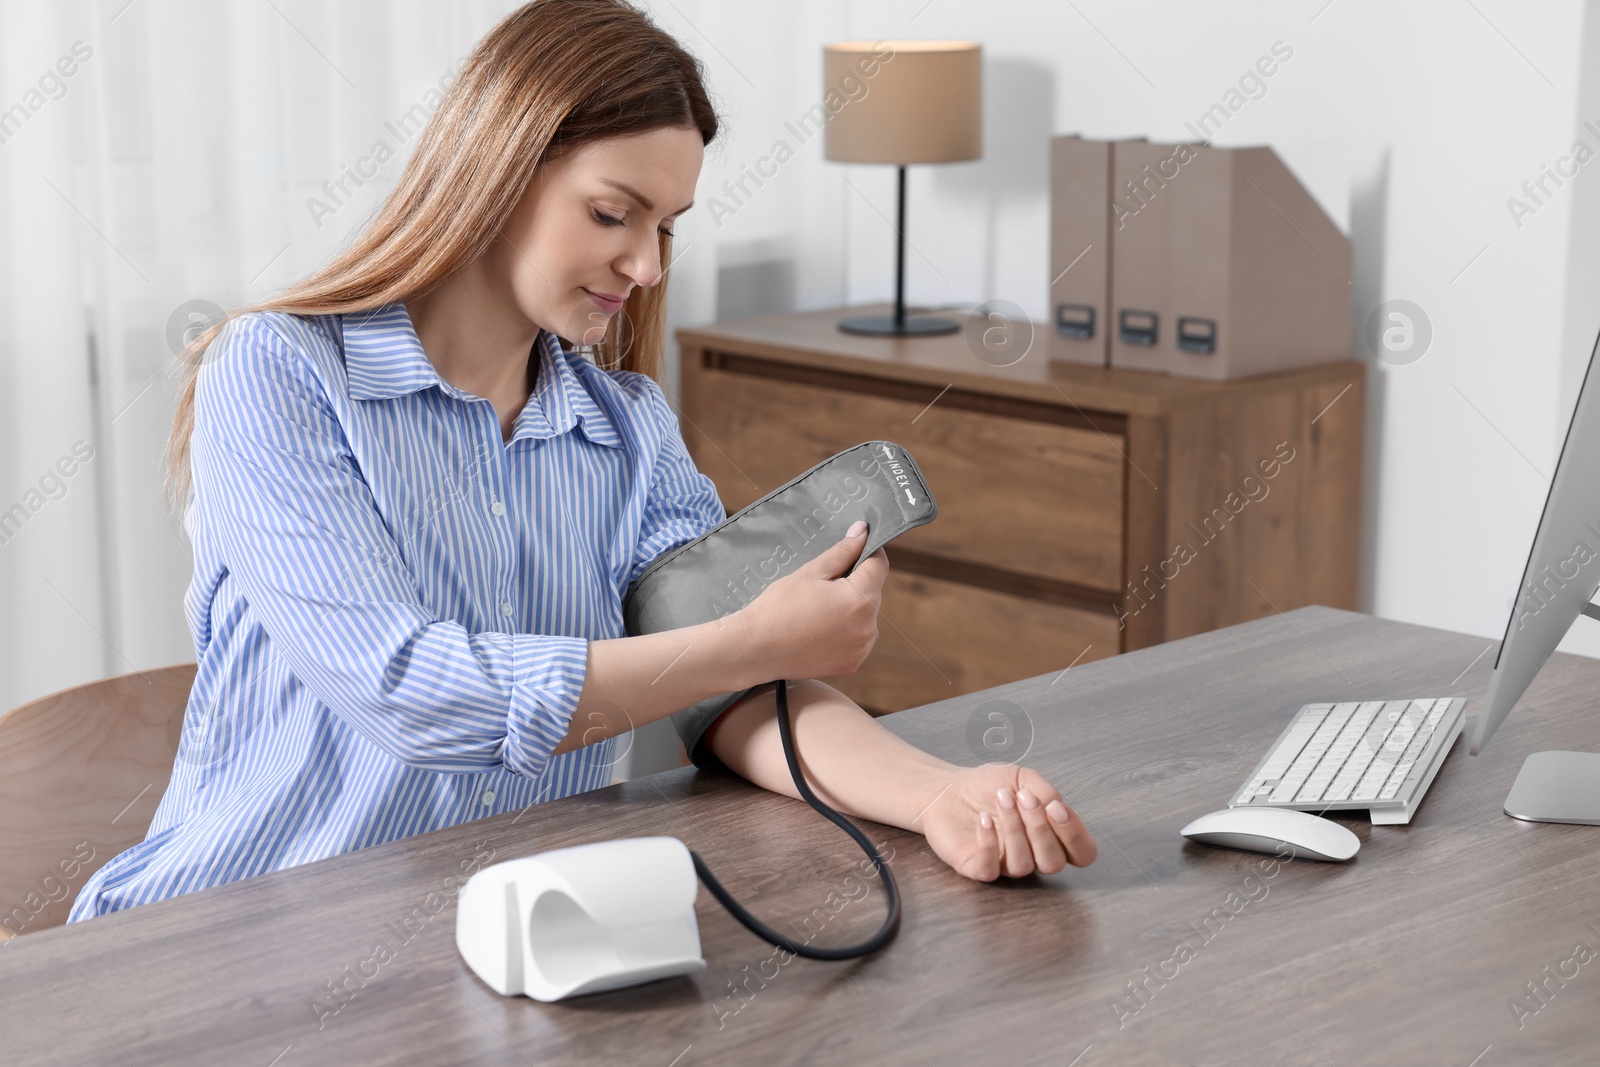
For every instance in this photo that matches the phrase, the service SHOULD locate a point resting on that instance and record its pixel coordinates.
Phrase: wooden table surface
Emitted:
(1414, 953)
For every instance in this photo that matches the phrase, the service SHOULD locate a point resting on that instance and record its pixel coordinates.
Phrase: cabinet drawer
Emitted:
(1032, 497)
(939, 639)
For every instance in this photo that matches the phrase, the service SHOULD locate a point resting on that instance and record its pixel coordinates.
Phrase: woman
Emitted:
(415, 511)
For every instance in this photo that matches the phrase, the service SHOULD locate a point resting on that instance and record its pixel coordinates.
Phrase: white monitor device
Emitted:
(1558, 585)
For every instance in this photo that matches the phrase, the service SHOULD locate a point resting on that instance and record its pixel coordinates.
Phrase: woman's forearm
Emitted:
(851, 762)
(632, 681)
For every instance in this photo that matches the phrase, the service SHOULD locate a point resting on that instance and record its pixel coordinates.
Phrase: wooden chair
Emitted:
(81, 773)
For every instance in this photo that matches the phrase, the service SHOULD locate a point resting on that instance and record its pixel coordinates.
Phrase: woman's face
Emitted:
(587, 231)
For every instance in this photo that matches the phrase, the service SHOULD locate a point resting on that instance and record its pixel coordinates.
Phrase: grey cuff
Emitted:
(693, 721)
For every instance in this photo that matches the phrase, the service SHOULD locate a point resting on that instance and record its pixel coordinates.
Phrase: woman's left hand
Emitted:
(1018, 839)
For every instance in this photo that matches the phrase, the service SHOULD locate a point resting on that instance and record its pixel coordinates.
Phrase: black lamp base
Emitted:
(899, 324)
(910, 326)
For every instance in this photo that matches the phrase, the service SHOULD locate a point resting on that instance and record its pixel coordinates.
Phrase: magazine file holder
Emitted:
(583, 919)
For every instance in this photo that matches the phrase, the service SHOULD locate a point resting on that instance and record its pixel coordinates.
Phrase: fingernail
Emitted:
(984, 820)
(1057, 811)
(1005, 799)
(856, 528)
(1027, 800)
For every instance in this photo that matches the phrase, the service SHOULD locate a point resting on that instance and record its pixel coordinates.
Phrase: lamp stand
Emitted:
(898, 324)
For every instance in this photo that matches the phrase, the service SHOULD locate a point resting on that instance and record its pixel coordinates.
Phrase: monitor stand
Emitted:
(1557, 787)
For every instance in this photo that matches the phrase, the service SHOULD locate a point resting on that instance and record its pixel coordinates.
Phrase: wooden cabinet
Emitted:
(1082, 511)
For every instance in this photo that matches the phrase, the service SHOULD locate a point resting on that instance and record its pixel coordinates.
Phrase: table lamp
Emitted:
(922, 104)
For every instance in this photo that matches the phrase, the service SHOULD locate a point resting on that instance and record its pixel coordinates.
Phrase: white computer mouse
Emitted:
(1282, 832)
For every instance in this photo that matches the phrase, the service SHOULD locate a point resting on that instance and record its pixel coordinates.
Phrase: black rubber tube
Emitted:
(891, 924)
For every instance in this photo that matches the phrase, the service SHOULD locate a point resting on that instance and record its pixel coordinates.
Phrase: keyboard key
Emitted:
(1328, 767)
(1397, 778)
(1286, 752)
(1285, 792)
(1380, 768)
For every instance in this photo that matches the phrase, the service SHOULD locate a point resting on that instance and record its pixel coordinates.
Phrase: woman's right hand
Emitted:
(819, 622)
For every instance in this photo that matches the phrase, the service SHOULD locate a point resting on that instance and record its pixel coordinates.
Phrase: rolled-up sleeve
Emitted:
(283, 493)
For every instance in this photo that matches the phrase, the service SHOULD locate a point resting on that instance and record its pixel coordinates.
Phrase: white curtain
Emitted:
(172, 167)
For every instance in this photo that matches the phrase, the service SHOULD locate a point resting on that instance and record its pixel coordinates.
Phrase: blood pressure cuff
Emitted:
(727, 567)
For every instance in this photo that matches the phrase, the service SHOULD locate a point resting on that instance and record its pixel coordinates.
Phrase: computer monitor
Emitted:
(1558, 585)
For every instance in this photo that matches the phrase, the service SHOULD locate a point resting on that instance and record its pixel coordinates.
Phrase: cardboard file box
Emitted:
(1080, 250)
(1223, 265)
(1141, 221)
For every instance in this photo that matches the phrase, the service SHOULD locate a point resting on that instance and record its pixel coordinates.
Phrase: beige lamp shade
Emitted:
(904, 101)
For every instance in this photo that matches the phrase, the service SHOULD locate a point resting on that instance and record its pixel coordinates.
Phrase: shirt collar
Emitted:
(384, 359)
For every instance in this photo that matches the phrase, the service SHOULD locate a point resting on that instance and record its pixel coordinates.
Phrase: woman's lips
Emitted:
(608, 304)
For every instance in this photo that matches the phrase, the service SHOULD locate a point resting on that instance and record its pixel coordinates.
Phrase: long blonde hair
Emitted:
(550, 77)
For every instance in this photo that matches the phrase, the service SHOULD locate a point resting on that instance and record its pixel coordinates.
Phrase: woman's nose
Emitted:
(643, 263)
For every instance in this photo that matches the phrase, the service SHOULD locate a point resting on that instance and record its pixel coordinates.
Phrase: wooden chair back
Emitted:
(81, 773)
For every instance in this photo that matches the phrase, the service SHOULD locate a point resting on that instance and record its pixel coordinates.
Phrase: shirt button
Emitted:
(498, 508)
(505, 607)
(488, 797)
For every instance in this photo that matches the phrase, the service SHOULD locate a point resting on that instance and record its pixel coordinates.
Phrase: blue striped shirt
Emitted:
(391, 603)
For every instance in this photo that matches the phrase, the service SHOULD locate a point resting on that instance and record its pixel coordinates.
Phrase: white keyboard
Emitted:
(1380, 755)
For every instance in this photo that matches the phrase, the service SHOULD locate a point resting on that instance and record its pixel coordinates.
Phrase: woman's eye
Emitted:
(607, 220)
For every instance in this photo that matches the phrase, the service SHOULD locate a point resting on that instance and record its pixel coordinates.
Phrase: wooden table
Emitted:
(1413, 953)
